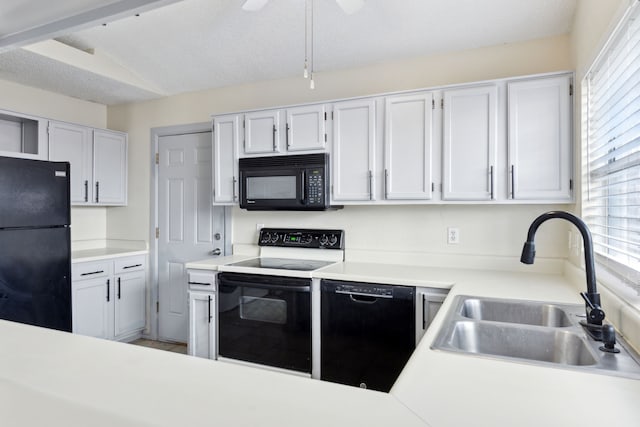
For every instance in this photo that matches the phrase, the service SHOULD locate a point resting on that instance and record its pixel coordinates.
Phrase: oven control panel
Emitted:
(302, 238)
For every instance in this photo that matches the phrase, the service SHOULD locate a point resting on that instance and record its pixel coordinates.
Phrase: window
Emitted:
(611, 150)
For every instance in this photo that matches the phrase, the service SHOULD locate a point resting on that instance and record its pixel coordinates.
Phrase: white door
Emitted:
(189, 227)
(225, 146)
(202, 324)
(540, 138)
(72, 143)
(91, 303)
(408, 145)
(469, 143)
(353, 150)
(261, 132)
(306, 128)
(129, 303)
(110, 167)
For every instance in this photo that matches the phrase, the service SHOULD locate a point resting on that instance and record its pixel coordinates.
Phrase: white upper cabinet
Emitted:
(262, 132)
(469, 143)
(110, 167)
(539, 139)
(306, 128)
(98, 160)
(353, 157)
(23, 136)
(225, 159)
(408, 147)
(72, 143)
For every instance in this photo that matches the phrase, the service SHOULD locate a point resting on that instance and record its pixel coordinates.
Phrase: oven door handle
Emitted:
(245, 284)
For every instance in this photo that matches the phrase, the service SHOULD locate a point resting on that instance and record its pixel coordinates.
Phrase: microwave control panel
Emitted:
(315, 187)
(302, 238)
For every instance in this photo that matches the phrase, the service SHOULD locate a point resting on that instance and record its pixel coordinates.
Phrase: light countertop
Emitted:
(73, 378)
(99, 254)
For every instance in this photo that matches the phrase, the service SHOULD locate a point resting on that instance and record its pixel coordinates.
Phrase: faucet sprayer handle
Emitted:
(595, 314)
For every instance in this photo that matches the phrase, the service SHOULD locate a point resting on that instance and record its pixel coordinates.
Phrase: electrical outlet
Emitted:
(453, 235)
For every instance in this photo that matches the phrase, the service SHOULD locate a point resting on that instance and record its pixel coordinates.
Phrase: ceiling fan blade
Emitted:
(350, 6)
(254, 5)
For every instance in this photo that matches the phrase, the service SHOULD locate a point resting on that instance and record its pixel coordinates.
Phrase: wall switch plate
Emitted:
(453, 235)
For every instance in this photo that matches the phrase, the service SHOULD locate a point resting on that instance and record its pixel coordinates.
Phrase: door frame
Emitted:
(154, 291)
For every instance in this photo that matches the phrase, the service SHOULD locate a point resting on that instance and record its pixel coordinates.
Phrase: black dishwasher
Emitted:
(367, 333)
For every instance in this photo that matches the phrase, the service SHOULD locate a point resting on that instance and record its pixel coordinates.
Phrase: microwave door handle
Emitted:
(304, 188)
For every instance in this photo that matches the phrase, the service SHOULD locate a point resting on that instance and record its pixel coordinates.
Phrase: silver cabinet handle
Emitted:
(209, 309)
(513, 183)
(370, 185)
(235, 196)
(275, 148)
(215, 252)
(97, 192)
(386, 187)
(491, 182)
(86, 191)
(288, 144)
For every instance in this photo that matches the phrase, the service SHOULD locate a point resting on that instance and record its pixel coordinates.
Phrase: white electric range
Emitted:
(266, 304)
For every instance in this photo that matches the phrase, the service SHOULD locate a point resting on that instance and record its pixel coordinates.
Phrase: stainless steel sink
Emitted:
(527, 312)
(545, 345)
(533, 332)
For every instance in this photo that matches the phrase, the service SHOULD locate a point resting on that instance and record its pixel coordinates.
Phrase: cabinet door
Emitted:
(428, 303)
(129, 303)
(225, 159)
(90, 305)
(262, 132)
(110, 167)
(202, 325)
(469, 143)
(306, 128)
(353, 157)
(72, 143)
(539, 120)
(408, 146)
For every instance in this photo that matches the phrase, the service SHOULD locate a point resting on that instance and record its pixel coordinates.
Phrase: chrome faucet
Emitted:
(595, 314)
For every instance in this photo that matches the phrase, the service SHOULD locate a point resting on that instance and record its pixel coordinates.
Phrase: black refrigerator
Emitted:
(35, 243)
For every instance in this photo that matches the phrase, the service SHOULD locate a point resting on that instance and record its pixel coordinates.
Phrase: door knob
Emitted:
(215, 252)
(217, 236)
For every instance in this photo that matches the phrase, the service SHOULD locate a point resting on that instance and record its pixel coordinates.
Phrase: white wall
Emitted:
(86, 223)
(485, 230)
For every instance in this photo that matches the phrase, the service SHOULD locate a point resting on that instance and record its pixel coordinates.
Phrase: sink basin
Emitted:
(545, 345)
(532, 332)
(526, 312)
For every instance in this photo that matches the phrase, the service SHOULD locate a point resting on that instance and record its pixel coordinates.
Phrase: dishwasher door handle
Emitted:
(363, 299)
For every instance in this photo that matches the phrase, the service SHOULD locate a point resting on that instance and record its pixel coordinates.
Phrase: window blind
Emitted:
(611, 116)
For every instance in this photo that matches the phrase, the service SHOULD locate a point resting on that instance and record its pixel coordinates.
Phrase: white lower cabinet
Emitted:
(428, 302)
(109, 297)
(202, 314)
(202, 325)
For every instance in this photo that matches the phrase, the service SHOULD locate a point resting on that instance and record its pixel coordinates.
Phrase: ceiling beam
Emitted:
(90, 18)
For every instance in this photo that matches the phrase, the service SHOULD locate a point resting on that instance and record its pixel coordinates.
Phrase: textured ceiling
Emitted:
(199, 44)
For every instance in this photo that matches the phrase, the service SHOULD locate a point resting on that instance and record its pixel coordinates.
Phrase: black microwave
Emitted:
(299, 182)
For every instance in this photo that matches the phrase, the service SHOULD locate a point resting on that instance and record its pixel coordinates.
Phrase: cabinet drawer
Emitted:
(128, 264)
(201, 280)
(90, 270)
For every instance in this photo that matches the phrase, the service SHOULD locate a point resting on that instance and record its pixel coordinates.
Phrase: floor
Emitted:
(167, 346)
